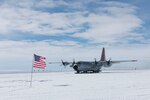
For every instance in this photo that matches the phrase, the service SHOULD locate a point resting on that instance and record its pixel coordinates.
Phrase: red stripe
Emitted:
(40, 64)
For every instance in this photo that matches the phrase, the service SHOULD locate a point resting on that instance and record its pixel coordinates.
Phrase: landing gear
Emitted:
(97, 71)
(75, 67)
(78, 71)
(85, 71)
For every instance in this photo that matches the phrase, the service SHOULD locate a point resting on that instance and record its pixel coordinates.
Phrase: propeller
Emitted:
(64, 63)
(109, 61)
(95, 61)
(73, 63)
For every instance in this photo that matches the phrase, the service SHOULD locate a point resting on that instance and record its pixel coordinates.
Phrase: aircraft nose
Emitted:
(75, 67)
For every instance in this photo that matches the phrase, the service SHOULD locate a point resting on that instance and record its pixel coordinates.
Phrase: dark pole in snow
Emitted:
(31, 74)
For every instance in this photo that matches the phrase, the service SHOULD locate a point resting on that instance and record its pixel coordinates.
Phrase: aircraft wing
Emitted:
(59, 62)
(54, 62)
(119, 61)
(63, 63)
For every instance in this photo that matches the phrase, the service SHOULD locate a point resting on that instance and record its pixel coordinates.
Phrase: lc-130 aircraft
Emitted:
(91, 66)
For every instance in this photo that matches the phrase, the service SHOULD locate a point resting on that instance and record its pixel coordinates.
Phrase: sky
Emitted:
(73, 29)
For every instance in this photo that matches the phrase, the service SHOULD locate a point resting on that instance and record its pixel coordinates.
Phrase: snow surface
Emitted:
(108, 85)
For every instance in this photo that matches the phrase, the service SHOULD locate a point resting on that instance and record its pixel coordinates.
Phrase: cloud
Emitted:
(113, 24)
(34, 4)
(34, 22)
(109, 23)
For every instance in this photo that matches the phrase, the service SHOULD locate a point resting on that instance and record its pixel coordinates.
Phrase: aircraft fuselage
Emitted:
(83, 66)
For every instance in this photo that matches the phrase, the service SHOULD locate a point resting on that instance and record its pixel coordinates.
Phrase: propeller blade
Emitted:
(65, 63)
(73, 63)
(109, 59)
(95, 62)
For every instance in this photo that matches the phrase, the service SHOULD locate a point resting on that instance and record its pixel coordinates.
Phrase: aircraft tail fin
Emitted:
(103, 58)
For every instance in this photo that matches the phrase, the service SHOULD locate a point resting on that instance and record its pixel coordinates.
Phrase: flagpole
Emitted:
(31, 74)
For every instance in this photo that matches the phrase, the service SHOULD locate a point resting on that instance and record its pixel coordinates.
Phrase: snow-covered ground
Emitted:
(108, 85)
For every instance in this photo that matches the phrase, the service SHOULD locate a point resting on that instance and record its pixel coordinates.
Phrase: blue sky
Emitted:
(67, 29)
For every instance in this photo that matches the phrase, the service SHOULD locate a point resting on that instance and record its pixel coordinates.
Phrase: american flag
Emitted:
(39, 62)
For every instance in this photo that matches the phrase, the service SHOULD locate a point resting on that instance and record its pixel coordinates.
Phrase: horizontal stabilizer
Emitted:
(119, 61)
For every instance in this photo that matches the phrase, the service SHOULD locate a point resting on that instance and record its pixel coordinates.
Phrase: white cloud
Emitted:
(115, 23)
(112, 22)
(62, 43)
(37, 22)
(30, 4)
